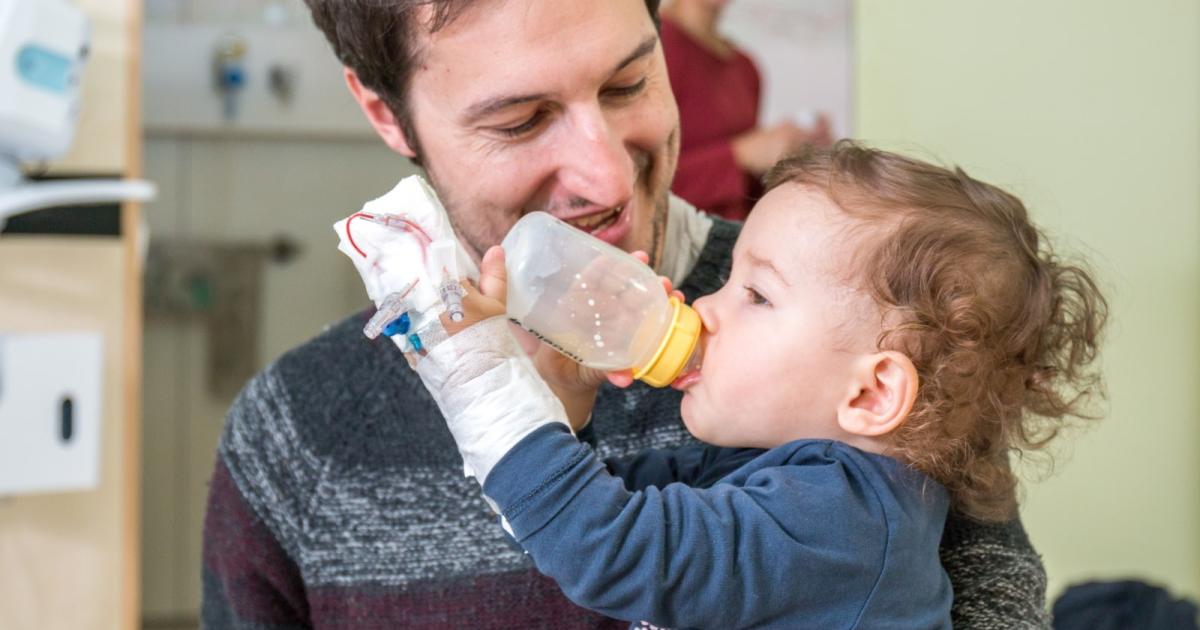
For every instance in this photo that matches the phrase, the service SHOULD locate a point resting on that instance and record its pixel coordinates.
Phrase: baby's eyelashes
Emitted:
(756, 297)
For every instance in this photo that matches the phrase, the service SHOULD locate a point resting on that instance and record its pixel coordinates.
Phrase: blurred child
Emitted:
(891, 331)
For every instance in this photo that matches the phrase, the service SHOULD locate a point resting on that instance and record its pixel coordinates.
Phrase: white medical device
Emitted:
(43, 48)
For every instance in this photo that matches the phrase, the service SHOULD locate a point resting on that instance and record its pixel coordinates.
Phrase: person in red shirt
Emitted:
(724, 151)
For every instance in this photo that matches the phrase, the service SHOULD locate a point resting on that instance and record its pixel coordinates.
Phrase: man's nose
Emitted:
(596, 164)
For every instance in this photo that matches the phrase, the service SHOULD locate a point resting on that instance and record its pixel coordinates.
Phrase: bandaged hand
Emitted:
(485, 385)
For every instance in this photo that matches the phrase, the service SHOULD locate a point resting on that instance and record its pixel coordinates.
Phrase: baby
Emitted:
(891, 331)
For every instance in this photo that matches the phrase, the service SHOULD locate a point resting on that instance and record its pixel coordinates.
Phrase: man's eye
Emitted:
(756, 297)
(626, 91)
(523, 128)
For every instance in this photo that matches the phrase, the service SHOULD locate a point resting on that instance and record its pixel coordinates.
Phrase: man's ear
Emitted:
(881, 396)
(380, 115)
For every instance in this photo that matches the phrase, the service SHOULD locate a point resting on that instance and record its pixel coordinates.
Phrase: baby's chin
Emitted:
(700, 427)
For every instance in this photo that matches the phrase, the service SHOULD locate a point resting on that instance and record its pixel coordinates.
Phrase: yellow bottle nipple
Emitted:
(676, 347)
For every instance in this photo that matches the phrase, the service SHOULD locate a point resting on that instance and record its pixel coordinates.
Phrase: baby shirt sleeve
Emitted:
(683, 557)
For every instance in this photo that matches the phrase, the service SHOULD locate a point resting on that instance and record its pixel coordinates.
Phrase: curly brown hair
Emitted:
(377, 39)
(1002, 332)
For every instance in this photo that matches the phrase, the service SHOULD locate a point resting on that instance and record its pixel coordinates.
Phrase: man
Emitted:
(338, 498)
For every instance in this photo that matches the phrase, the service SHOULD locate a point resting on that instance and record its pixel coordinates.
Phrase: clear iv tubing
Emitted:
(452, 296)
(450, 290)
(396, 222)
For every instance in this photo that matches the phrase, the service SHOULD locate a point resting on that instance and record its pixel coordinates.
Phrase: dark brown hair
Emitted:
(1002, 332)
(377, 40)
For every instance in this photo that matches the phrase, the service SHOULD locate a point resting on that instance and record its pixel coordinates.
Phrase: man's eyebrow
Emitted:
(765, 263)
(645, 48)
(490, 106)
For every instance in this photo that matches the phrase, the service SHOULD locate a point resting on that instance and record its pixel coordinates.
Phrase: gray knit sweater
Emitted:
(338, 501)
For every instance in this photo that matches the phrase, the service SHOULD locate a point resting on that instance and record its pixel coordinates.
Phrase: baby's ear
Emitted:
(881, 396)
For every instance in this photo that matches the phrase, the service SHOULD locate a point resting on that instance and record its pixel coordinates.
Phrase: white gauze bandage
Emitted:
(486, 387)
(418, 250)
(489, 392)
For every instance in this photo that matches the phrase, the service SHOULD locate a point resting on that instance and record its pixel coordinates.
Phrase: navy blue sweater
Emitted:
(811, 534)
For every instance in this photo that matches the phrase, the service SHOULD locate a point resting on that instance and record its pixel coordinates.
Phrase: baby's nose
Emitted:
(708, 316)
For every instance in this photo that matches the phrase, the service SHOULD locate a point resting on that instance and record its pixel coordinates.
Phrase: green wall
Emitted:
(1090, 111)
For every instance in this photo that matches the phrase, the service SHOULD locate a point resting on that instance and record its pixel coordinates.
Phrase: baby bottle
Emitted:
(595, 303)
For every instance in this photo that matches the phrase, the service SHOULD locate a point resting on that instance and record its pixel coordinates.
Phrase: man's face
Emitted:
(555, 105)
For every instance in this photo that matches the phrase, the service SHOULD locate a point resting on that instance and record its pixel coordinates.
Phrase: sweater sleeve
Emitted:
(249, 582)
(682, 557)
(998, 577)
(259, 492)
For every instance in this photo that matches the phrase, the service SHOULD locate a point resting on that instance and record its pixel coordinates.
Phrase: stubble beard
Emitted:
(655, 181)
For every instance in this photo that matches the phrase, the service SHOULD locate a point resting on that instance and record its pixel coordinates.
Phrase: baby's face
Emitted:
(784, 333)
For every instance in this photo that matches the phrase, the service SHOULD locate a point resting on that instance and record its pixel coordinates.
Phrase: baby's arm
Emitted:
(729, 556)
(695, 465)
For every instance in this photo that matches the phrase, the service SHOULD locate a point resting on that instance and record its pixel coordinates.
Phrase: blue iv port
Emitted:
(416, 342)
(399, 326)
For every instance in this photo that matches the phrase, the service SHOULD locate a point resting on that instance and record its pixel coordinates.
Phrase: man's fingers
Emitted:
(493, 277)
(590, 376)
(642, 256)
(621, 379)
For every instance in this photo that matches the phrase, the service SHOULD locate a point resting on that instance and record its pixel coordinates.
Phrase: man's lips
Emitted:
(595, 220)
(609, 225)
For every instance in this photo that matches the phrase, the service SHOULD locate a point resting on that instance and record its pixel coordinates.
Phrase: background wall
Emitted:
(1089, 111)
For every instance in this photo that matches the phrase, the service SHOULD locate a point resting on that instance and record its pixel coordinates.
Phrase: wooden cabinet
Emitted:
(71, 560)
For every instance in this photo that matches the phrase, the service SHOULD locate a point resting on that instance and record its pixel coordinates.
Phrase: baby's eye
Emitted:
(756, 297)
